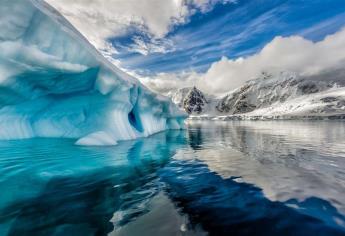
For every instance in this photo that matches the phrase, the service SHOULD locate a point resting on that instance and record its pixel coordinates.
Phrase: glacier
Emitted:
(54, 83)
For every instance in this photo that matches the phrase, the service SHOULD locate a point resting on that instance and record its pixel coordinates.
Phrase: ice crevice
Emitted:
(54, 83)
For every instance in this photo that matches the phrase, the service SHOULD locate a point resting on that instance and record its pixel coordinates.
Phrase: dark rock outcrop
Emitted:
(194, 101)
(236, 103)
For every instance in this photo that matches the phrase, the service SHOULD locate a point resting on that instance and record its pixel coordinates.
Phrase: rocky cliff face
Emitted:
(194, 102)
(190, 99)
(236, 103)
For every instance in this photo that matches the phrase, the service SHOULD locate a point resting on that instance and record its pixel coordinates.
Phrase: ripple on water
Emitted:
(243, 178)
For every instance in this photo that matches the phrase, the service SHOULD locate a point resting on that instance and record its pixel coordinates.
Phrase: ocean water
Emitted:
(214, 178)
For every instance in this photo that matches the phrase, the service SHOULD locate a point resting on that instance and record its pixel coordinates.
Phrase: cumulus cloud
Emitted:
(166, 82)
(289, 54)
(99, 20)
(293, 53)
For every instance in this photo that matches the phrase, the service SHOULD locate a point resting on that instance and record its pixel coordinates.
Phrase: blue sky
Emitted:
(232, 30)
(216, 45)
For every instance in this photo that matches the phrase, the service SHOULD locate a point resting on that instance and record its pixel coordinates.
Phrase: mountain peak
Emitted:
(194, 101)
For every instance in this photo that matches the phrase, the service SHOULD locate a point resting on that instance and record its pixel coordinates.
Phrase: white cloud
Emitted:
(294, 54)
(165, 82)
(206, 5)
(281, 54)
(98, 20)
(153, 46)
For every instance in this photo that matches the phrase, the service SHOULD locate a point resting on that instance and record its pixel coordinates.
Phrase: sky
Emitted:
(214, 44)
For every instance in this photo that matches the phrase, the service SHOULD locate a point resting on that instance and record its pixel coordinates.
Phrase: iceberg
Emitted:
(54, 83)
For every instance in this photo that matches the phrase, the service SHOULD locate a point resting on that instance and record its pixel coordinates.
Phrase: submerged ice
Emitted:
(53, 83)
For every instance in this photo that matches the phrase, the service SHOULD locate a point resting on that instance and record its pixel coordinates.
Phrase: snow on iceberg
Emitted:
(54, 83)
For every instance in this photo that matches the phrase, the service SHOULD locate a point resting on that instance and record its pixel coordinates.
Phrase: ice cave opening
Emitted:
(134, 119)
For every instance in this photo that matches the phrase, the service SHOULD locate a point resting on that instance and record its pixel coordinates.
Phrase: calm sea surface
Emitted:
(214, 178)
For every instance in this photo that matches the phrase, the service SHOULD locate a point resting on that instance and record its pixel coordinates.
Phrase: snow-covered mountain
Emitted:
(193, 101)
(54, 83)
(190, 99)
(282, 95)
(178, 96)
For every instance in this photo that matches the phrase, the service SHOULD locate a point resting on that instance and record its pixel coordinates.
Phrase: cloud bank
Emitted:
(166, 82)
(293, 53)
(99, 20)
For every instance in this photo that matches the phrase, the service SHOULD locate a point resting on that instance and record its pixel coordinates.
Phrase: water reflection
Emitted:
(216, 178)
(226, 207)
(72, 190)
(298, 165)
(285, 159)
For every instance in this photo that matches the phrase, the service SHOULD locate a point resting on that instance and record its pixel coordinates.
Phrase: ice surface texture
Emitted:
(54, 83)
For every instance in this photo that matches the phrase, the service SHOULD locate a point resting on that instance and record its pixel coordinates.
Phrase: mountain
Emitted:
(190, 99)
(178, 96)
(54, 83)
(287, 94)
(282, 95)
